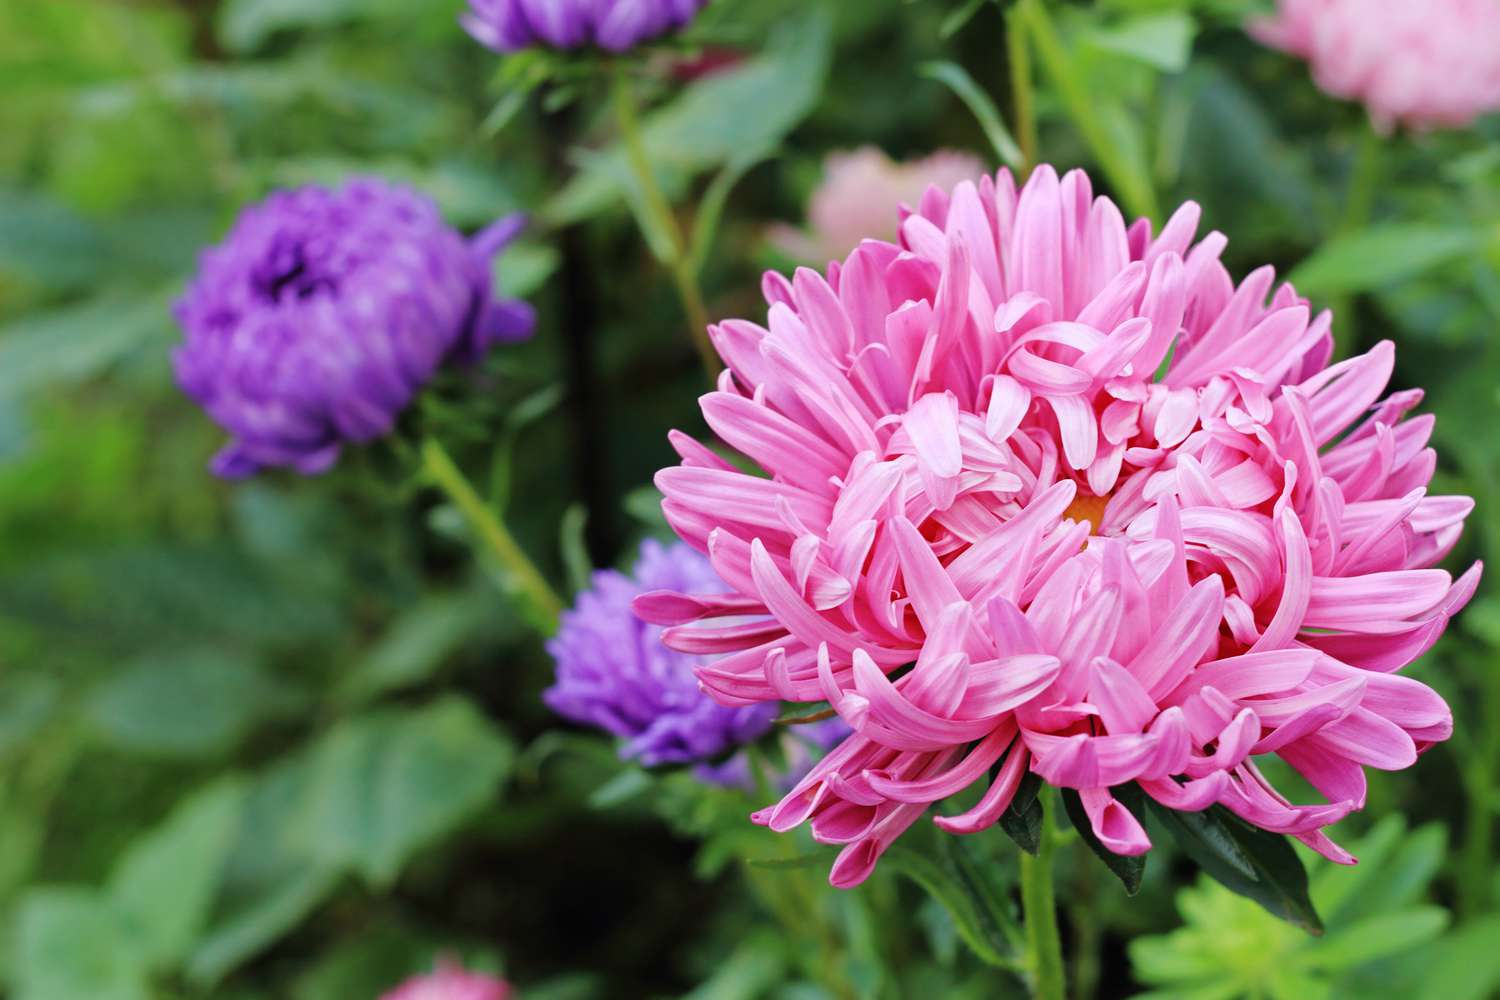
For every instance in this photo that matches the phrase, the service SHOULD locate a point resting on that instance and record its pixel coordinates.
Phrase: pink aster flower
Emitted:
(1050, 492)
(449, 981)
(859, 190)
(1425, 65)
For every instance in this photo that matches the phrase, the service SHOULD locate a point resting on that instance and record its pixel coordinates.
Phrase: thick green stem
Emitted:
(660, 218)
(1131, 181)
(1044, 962)
(541, 600)
(1022, 88)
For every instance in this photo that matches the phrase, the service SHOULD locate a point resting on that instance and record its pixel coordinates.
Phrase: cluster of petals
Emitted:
(612, 25)
(450, 981)
(853, 201)
(325, 311)
(1049, 492)
(1425, 65)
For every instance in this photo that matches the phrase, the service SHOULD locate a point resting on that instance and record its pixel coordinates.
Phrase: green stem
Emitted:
(1131, 182)
(1359, 205)
(1038, 901)
(658, 214)
(541, 600)
(1022, 88)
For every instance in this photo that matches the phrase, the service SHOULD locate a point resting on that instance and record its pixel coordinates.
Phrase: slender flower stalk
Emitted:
(1134, 186)
(541, 600)
(1023, 89)
(662, 222)
(1044, 962)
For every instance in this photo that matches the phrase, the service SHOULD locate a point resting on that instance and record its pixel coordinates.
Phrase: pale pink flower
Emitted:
(860, 188)
(1421, 63)
(1097, 574)
(449, 981)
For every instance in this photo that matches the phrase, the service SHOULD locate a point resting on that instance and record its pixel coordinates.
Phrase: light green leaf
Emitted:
(164, 883)
(1377, 936)
(752, 106)
(1381, 255)
(383, 786)
(523, 268)
(1466, 965)
(958, 80)
(181, 703)
(1161, 40)
(70, 945)
(574, 547)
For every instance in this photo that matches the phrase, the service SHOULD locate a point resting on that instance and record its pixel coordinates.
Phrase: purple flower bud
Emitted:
(613, 25)
(324, 312)
(614, 673)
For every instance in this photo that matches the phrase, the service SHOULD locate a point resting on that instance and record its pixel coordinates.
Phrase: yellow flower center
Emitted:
(1087, 507)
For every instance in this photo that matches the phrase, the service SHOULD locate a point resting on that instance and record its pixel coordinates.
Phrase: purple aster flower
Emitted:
(613, 25)
(614, 673)
(324, 312)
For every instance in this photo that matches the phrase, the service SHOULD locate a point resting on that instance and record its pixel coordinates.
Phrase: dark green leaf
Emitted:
(1254, 863)
(1128, 869)
(1022, 819)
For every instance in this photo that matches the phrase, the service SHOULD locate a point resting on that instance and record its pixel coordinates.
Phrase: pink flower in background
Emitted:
(856, 199)
(1422, 64)
(449, 981)
(1049, 492)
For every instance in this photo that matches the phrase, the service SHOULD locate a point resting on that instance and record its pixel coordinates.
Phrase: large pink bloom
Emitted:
(1096, 573)
(1423, 64)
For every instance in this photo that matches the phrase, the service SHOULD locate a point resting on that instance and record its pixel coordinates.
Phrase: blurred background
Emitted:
(283, 738)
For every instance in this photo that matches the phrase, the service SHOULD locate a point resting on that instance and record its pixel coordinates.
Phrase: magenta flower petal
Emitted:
(972, 471)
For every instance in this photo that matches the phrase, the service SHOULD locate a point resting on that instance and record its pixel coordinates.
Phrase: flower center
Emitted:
(1087, 507)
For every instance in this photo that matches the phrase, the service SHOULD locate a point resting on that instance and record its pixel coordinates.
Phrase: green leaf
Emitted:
(958, 80)
(621, 788)
(181, 704)
(417, 644)
(70, 945)
(958, 17)
(973, 916)
(245, 24)
(76, 343)
(1254, 863)
(715, 197)
(1164, 41)
(164, 883)
(523, 268)
(385, 785)
(1381, 255)
(264, 920)
(1128, 869)
(575, 550)
(1466, 964)
(1022, 819)
(713, 121)
(1377, 936)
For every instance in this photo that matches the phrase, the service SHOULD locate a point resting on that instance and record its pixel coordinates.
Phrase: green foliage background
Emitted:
(284, 739)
